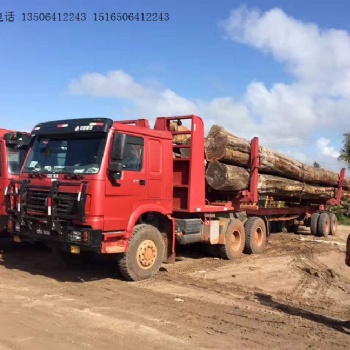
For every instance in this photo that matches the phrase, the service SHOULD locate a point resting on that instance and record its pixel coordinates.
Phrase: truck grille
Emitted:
(35, 201)
(65, 203)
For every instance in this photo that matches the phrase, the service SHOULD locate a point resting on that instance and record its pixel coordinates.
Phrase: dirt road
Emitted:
(294, 296)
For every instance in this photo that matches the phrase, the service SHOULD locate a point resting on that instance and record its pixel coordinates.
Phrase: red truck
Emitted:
(94, 185)
(13, 148)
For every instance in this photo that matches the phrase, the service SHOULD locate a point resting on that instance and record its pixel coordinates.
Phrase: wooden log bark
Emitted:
(225, 177)
(179, 139)
(230, 149)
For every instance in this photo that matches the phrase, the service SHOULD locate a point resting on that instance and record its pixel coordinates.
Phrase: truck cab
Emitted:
(13, 149)
(87, 183)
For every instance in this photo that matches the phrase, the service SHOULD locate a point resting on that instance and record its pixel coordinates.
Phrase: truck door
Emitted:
(122, 195)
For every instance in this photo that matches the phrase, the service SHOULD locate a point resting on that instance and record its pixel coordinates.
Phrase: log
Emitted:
(179, 139)
(225, 177)
(231, 149)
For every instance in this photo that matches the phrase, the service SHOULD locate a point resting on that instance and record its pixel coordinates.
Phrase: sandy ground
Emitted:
(296, 295)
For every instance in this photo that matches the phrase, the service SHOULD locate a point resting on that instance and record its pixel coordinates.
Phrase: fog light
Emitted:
(74, 249)
(74, 236)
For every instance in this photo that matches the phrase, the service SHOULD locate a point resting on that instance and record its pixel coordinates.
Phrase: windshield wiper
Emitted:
(70, 175)
(36, 173)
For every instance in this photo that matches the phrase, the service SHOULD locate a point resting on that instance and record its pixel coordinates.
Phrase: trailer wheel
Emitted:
(333, 223)
(145, 254)
(255, 235)
(234, 241)
(323, 225)
(314, 223)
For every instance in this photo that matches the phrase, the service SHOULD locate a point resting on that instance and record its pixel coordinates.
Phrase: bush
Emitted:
(342, 212)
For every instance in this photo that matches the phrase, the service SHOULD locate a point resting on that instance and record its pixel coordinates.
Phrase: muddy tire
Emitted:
(145, 254)
(333, 224)
(323, 225)
(255, 235)
(314, 223)
(234, 241)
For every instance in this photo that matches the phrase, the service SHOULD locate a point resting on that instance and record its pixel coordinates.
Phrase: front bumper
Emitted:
(86, 238)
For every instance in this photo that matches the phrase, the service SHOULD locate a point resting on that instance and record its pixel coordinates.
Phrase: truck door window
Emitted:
(133, 156)
(15, 159)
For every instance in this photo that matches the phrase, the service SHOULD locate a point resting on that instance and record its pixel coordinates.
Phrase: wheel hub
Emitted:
(258, 236)
(235, 240)
(146, 254)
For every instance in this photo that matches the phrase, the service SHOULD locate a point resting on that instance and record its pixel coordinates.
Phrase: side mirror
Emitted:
(115, 171)
(115, 167)
(17, 139)
(118, 147)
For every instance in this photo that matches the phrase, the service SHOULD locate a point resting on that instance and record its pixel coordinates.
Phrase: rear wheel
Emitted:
(145, 254)
(333, 223)
(323, 225)
(314, 223)
(234, 241)
(255, 235)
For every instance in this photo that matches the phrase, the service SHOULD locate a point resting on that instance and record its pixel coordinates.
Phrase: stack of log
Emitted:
(228, 169)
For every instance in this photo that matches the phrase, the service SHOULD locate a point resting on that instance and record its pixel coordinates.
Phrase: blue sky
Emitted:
(276, 69)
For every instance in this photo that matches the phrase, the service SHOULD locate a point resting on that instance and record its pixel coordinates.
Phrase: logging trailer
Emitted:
(13, 148)
(117, 187)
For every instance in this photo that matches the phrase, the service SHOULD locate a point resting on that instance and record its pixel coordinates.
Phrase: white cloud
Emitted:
(285, 116)
(149, 101)
(317, 56)
(329, 151)
(114, 84)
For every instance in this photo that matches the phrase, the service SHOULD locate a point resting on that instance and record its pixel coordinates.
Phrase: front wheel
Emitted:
(145, 254)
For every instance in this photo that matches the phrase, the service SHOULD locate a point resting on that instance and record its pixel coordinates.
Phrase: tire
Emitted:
(314, 223)
(255, 235)
(145, 254)
(333, 223)
(234, 241)
(323, 225)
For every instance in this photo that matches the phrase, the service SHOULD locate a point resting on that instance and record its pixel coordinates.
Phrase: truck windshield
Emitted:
(58, 154)
(15, 159)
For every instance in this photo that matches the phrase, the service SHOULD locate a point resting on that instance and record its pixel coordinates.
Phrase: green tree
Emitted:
(317, 165)
(345, 151)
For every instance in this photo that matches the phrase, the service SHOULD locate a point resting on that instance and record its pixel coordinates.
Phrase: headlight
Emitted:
(74, 236)
(77, 236)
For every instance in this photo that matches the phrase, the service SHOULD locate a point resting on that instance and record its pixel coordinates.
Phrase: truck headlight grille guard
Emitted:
(27, 201)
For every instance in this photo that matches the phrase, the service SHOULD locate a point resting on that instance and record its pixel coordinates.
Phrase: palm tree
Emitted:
(345, 151)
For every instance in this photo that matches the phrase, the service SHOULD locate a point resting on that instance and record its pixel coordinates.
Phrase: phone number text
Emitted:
(95, 16)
